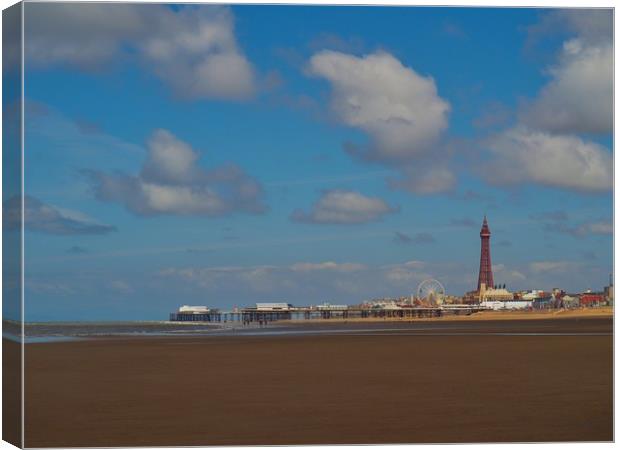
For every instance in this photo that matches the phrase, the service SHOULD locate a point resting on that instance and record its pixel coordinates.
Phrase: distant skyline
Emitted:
(227, 155)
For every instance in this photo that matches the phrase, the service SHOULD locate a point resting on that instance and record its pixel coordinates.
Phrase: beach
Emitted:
(486, 381)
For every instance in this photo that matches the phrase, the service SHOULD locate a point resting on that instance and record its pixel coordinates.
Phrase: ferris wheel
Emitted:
(431, 291)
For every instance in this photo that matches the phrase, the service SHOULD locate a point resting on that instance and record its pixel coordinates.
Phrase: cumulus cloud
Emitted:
(39, 216)
(171, 182)
(521, 155)
(545, 146)
(398, 108)
(579, 97)
(191, 48)
(344, 207)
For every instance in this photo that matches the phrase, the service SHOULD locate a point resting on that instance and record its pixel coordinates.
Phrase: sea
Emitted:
(36, 332)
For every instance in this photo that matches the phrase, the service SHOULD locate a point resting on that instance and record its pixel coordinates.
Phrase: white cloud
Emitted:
(545, 147)
(579, 98)
(344, 207)
(399, 109)
(172, 183)
(192, 48)
(525, 155)
(170, 160)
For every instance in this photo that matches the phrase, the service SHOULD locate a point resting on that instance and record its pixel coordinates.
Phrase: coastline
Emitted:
(59, 332)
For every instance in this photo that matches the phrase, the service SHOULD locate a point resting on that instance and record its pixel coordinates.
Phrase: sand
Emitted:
(11, 392)
(367, 388)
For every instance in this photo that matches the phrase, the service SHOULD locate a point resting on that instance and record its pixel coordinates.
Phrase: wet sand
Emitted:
(11, 392)
(367, 387)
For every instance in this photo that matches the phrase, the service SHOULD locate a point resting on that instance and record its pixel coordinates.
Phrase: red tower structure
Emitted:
(486, 271)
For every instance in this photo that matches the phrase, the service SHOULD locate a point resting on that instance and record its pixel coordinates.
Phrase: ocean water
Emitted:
(63, 331)
(67, 331)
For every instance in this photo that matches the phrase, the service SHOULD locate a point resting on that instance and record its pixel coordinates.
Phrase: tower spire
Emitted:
(485, 276)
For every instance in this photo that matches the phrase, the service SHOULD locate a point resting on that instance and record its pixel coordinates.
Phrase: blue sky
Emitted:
(228, 155)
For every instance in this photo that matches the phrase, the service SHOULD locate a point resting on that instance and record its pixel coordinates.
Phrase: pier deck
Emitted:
(249, 315)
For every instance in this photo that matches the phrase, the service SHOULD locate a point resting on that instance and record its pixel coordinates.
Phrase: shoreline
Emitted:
(599, 312)
(513, 319)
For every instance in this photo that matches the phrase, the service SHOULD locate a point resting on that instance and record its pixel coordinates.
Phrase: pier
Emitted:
(252, 315)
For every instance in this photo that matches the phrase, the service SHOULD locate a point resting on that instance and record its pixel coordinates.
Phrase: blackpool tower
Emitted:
(486, 272)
